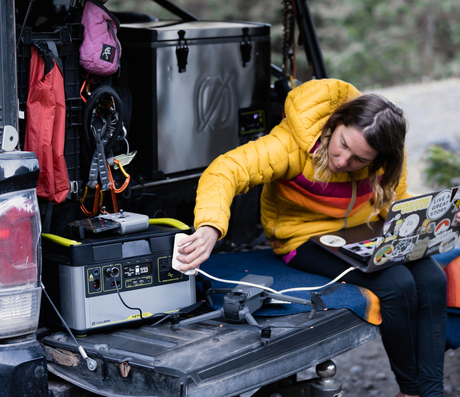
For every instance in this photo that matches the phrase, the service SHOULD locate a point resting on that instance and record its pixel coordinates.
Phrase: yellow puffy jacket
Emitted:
(293, 207)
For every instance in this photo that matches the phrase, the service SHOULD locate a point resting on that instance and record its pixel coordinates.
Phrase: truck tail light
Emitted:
(20, 265)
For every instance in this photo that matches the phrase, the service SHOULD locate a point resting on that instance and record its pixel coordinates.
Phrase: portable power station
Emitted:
(82, 276)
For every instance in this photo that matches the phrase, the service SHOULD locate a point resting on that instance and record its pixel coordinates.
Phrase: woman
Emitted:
(337, 160)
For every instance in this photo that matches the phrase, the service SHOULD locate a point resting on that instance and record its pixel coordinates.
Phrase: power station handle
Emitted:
(60, 240)
(170, 222)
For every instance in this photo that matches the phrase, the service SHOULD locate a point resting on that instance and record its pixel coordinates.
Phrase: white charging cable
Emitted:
(236, 282)
(272, 290)
(176, 264)
(325, 285)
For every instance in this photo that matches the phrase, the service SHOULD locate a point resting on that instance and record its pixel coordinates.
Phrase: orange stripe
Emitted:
(302, 200)
(453, 283)
(338, 202)
(357, 209)
(363, 199)
(372, 314)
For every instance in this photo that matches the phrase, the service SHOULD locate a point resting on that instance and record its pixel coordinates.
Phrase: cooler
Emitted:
(198, 89)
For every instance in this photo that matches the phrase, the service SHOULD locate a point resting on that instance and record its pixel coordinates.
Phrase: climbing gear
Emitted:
(102, 125)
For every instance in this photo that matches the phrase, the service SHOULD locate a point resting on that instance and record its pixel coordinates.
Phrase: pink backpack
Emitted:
(100, 51)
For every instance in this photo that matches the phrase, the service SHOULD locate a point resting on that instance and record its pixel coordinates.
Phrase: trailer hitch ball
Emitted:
(325, 385)
(326, 371)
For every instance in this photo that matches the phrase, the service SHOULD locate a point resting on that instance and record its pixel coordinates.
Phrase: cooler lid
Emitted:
(167, 30)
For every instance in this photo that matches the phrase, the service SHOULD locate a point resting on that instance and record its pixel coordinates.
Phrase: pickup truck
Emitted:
(147, 358)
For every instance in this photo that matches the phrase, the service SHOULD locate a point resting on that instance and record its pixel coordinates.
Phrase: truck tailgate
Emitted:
(204, 359)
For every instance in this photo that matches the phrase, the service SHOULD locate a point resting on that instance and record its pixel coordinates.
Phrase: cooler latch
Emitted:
(182, 51)
(246, 47)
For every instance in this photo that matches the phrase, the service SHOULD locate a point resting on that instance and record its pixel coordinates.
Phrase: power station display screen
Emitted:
(137, 270)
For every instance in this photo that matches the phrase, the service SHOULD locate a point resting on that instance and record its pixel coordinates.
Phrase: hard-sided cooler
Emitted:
(198, 90)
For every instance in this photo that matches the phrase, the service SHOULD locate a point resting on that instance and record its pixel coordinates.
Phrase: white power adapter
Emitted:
(175, 263)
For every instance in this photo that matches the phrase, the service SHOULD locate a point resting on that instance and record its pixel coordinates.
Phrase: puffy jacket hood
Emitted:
(309, 106)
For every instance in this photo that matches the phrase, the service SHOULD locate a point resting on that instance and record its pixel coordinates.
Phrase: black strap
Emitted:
(95, 100)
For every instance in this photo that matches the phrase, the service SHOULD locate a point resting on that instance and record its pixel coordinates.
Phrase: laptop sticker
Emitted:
(409, 224)
(332, 241)
(442, 227)
(449, 242)
(427, 227)
(387, 224)
(439, 205)
(412, 205)
(383, 254)
(405, 246)
(419, 249)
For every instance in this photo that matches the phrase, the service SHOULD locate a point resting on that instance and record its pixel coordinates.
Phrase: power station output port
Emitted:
(97, 285)
(164, 264)
(112, 272)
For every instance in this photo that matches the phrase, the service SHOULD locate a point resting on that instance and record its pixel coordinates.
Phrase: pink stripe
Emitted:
(288, 257)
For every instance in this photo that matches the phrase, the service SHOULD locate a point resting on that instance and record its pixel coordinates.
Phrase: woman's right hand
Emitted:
(195, 249)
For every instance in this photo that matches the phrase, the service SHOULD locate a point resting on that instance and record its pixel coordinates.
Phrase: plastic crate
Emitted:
(68, 39)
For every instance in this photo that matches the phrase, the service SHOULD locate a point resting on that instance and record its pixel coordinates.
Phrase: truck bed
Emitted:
(203, 359)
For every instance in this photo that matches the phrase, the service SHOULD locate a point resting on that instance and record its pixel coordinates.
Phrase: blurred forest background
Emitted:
(369, 43)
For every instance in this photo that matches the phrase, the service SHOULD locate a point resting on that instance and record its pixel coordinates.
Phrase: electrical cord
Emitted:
(236, 282)
(272, 290)
(351, 268)
(119, 295)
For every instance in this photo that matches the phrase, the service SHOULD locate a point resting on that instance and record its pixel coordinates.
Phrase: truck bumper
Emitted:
(23, 371)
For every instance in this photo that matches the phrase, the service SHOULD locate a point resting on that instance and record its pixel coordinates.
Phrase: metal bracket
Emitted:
(246, 47)
(182, 51)
(61, 36)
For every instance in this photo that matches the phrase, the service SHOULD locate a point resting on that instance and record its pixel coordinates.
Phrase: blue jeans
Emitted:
(414, 311)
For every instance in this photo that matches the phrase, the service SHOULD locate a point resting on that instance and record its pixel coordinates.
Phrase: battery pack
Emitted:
(88, 280)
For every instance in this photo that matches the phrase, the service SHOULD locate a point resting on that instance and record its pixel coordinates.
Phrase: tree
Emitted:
(372, 43)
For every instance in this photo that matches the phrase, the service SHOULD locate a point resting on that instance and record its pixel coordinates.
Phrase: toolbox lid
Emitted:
(167, 30)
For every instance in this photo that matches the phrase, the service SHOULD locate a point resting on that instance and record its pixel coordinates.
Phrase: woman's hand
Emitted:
(195, 249)
(457, 217)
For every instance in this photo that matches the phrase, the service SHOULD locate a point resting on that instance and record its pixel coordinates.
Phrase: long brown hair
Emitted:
(384, 128)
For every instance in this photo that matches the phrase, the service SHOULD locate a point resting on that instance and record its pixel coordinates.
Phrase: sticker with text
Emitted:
(419, 249)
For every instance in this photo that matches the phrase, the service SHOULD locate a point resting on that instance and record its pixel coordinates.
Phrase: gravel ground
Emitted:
(432, 110)
(365, 372)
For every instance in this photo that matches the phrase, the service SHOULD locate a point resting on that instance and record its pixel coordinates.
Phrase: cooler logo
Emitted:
(215, 103)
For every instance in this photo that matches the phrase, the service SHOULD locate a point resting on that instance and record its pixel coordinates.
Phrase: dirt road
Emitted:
(433, 114)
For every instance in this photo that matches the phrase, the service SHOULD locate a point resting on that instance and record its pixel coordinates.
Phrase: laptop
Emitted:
(414, 228)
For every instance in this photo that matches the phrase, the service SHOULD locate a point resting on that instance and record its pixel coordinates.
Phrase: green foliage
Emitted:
(444, 166)
(374, 43)
(370, 43)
